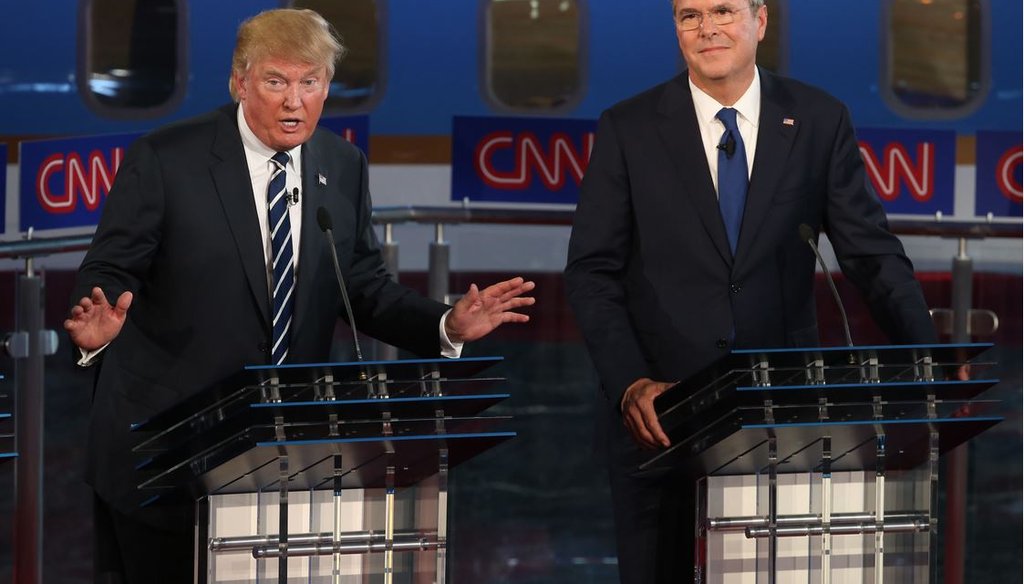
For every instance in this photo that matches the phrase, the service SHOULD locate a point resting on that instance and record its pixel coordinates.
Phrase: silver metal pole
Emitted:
(376, 547)
(389, 522)
(438, 266)
(28, 420)
(907, 526)
(962, 272)
(386, 352)
(957, 459)
(324, 540)
(734, 524)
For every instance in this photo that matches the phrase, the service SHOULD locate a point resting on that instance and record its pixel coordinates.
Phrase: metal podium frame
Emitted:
(8, 451)
(325, 427)
(892, 410)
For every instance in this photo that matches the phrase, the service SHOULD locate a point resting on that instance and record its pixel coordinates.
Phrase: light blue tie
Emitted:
(283, 279)
(732, 176)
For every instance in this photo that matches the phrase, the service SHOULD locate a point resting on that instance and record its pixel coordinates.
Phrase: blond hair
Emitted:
(296, 35)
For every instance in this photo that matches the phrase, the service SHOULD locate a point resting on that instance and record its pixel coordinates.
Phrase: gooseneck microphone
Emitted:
(808, 235)
(323, 218)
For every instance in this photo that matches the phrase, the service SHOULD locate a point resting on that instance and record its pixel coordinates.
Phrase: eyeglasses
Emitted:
(692, 20)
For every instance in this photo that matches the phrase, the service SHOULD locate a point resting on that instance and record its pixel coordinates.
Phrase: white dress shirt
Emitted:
(748, 108)
(257, 157)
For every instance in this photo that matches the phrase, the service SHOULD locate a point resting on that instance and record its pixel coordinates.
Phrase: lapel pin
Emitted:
(321, 179)
(788, 121)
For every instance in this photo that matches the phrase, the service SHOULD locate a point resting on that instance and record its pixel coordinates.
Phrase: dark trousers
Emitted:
(654, 518)
(129, 551)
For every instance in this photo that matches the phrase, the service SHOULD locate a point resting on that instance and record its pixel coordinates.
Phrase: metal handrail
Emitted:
(970, 229)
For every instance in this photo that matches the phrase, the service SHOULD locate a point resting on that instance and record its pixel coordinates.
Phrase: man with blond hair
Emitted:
(214, 266)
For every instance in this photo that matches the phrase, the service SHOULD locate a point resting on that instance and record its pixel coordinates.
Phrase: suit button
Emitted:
(735, 288)
(721, 343)
(263, 347)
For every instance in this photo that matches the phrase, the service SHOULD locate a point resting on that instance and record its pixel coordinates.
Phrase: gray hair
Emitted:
(754, 4)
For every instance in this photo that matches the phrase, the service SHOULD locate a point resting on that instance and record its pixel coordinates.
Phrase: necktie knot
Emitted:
(727, 115)
(280, 159)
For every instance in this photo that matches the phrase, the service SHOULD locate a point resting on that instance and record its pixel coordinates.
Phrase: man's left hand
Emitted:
(479, 312)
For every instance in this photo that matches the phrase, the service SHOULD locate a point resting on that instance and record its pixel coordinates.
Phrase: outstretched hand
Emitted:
(94, 322)
(479, 312)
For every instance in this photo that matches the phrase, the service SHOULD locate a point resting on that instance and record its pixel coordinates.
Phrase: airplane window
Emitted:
(133, 61)
(357, 82)
(934, 56)
(534, 54)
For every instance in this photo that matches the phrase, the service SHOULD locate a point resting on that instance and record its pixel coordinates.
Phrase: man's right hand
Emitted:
(638, 412)
(94, 322)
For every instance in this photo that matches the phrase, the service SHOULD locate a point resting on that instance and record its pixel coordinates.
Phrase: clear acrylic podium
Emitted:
(800, 452)
(290, 444)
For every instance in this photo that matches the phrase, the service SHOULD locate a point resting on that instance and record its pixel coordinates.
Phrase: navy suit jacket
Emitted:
(179, 229)
(654, 286)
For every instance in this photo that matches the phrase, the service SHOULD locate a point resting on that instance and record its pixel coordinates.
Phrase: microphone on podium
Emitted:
(808, 235)
(323, 218)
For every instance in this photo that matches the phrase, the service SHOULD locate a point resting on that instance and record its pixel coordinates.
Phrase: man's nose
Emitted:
(708, 26)
(292, 99)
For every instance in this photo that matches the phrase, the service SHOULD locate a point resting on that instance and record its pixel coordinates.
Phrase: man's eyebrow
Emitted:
(271, 72)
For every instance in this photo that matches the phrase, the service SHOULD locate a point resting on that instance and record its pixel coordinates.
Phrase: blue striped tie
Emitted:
(732, 176)
(283, 266)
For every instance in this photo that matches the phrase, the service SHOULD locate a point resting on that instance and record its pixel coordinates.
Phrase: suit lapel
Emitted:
(777, 127)
(311, 247)
(231, 177)
(679, 131)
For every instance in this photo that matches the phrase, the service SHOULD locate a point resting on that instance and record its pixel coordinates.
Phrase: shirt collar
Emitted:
(748, 105)
(261, 151)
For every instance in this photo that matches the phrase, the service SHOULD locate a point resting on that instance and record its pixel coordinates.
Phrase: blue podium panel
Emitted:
(322, 425)
(241, 413)
(212, 448)
(721, 420)
(325, 464)
(736, 449)
(696, 409)
(6, 428)
(845, 368)
(7, 446)
(309, 382)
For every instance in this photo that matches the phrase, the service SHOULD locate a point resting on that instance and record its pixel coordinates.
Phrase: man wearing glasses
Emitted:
(686, 245)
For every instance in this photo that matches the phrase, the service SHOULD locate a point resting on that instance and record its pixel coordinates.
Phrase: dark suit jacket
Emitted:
(651, 279)
(180, 230)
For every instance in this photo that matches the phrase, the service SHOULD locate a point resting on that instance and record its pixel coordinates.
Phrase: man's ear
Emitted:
(240, 86)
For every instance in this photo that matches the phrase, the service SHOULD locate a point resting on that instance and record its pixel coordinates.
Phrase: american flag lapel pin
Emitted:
(321, 179)
(788, 121)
